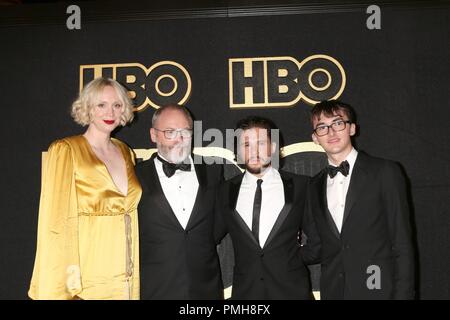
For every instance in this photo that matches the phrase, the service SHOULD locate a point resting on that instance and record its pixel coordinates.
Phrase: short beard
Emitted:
(258, 170)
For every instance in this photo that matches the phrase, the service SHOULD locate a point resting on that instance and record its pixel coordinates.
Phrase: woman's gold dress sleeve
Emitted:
(56, 273)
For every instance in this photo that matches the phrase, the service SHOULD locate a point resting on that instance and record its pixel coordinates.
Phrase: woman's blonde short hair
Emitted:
(82, 108)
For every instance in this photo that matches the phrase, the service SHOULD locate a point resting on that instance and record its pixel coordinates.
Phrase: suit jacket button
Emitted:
(261, 255)
(262, 279)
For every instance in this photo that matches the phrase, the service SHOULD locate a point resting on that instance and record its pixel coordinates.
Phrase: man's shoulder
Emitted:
(236, 179)
(209, 168)
(142, 165)
(377, 162)
(300, 178)
(206, 161)
(318, 177)
(209, 164)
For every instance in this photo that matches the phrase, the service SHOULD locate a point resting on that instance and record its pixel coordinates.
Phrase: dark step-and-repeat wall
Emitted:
(225, 62)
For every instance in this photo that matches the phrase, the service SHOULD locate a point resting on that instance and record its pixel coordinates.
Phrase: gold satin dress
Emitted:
(87, 245)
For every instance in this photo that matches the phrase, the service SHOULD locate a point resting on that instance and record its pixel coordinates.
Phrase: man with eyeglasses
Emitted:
(178, 257)
(362, 214)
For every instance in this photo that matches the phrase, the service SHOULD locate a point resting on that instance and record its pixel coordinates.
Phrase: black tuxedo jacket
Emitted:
(276, 271)
(177, 263)
(375, 232)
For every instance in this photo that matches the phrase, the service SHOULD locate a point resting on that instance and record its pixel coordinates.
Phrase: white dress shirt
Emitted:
(337, 189)
(180, 190)
(272, 201)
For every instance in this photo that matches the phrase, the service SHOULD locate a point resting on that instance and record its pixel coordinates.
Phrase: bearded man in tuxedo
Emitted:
(178, 257)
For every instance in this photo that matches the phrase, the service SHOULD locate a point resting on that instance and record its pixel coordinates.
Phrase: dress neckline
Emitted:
(114, 141)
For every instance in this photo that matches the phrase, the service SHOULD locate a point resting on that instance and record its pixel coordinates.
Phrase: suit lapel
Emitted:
(155, 191)
(235, 186)
(241, 223)
(357, 183)
(288, 187)
(200, 171)
(322, 185)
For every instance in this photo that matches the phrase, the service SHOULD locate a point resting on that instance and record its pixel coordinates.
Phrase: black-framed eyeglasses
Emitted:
(338, 125)
(173, 133)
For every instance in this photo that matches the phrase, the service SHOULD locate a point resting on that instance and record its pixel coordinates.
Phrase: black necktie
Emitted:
(343, 168)
(257, 209)
(170, 168)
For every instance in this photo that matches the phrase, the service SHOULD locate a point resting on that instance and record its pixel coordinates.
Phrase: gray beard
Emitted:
(173, 156)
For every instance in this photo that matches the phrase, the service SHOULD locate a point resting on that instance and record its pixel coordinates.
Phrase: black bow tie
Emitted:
(343, 168)
(170, 168)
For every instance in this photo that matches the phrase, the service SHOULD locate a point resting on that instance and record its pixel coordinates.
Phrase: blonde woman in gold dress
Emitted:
(87, 245)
